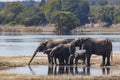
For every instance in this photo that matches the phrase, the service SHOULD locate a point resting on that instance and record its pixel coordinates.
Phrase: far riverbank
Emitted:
(50, 29)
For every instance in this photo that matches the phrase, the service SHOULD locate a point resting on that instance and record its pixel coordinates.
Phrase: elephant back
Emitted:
(55, 42)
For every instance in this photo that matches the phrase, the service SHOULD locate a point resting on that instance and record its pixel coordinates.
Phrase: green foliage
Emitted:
(66, 14)
(12, 10)
(65, 22)
(80, 8)
(1, 16)
(108, 14)
(102, 2)
(31, 16)
(50, 8)
(117, 15)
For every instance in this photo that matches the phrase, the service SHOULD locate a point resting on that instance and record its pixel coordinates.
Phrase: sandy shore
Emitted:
(16, 61)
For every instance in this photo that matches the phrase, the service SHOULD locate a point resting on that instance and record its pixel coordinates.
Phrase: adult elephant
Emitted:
(62, 52)
(98, 46)
(48, 44)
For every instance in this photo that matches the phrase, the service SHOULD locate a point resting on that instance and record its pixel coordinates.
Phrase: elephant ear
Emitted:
(82, 42)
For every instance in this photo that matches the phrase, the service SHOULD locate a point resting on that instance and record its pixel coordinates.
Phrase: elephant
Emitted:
(62, 52)
(98, 46)
(48, 44)
(47, 52)
(49, 57)
(77, 56)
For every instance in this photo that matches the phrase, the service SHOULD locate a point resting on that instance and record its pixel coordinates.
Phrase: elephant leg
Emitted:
(108, 61)
(84, 61)
(88, 55)
(103, 61)
(55, 60)
(76, 61)
(52, 60)
(61, 60)
(49, 60)
(71, 62)
(71, 59)
(67, 61)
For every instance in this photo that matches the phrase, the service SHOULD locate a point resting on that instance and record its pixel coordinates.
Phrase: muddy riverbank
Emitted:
(17, 61)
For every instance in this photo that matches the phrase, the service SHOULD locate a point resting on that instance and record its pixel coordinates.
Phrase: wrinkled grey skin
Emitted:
(48, 44)
(77, 56)
(47, 52)
(98, 46)
(62, 52)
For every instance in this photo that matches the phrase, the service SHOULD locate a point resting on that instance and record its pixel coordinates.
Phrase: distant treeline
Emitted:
(65, 14)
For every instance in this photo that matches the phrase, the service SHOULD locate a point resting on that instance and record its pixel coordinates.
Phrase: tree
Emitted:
(50, 7)
(117, 15)
(103, 14)
(65, 22)
(102, 2)
(12, 10)
(31, 16)
(1, 16)
(80, 8)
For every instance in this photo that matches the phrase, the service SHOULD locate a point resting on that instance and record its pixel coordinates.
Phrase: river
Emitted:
(25, 44)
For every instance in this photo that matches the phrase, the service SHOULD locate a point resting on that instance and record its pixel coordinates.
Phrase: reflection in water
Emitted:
(58, 70)
(106, 70)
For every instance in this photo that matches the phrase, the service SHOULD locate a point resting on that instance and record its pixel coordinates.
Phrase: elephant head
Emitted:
(48, 44)
(79, 42)
(40, 48)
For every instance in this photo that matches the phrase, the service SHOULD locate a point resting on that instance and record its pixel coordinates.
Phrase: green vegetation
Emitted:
(108, 14)
(65, 14)
(65, 22)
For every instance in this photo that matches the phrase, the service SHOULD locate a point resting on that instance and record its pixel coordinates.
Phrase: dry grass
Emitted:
(98, 29)
(4, 76)
(51, 28)
(7, 62)
(15, 61)
(22, 28)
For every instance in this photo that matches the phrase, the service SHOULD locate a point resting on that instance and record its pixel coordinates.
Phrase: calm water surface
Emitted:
(25, 44)
(58, 70)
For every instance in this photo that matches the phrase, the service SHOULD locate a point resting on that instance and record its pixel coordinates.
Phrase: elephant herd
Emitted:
(65, 50)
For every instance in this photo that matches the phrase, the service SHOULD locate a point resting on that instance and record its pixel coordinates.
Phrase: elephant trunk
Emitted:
(33, 56)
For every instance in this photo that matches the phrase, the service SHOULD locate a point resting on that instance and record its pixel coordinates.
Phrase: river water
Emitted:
(25, 44)
(61, 70)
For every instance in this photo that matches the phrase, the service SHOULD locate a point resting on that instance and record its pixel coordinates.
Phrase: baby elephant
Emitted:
(77, 56)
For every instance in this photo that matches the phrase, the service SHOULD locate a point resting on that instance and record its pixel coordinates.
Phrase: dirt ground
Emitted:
(16, 61)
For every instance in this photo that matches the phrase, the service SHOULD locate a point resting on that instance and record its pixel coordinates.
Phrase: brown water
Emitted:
(60, 70)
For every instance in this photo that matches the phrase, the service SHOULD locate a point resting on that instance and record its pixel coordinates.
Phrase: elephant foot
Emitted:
(102, 65)
(108, 64)
(52, 63)
(88, 65)
(83, 63)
